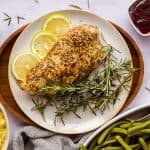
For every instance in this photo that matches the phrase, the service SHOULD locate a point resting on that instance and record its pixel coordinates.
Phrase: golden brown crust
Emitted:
(73, 56)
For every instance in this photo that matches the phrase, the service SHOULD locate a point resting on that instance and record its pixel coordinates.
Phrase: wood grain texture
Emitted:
(7, 99)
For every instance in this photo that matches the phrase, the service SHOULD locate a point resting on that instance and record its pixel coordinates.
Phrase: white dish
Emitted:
(73, 125)
(6, 142)
(134, 113)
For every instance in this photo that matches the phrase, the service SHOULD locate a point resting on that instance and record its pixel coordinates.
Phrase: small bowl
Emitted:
(136, 28)
(134, 113)
(6, 142)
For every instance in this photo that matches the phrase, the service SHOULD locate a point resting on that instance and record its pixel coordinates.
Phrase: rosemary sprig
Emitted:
(36, 1)
(75, 6)
(97, 93)
(20, 18)
(7, 18)
(148, 89)
(88, 4)
(39, 107)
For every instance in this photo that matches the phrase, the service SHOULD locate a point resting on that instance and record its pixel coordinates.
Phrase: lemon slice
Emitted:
(22, 63)
(58, 24)
(42, 42)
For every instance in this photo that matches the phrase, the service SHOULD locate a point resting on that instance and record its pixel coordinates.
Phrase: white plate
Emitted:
(73, 125)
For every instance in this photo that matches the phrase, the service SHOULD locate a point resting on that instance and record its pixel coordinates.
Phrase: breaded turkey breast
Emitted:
(73, 56)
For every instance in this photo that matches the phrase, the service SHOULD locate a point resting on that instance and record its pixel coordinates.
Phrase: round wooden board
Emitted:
(7, 99)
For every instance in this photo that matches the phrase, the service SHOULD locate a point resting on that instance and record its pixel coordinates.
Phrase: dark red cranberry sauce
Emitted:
(139, 12)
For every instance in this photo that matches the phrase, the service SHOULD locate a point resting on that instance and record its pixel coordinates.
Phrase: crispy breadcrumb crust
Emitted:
(73, 56)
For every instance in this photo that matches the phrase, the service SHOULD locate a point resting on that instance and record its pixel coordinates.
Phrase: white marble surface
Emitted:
(114, 10)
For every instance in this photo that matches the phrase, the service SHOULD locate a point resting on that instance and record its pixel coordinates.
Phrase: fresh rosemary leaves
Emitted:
(9, 18)
(36, 1)
(20, 18)
(88, 3)
(75, 6)
(96, 93)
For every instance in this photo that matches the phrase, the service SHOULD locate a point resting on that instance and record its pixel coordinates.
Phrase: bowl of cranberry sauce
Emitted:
(139, 14)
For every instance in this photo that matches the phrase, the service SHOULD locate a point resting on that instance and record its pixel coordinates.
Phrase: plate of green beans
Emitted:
(128, 131)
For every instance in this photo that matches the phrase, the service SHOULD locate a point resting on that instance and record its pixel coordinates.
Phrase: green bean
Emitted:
(145, 131)
(93, 143)
(106, 131)
(97, 147)
(143, 143)
(135, 146)
(109, 142)
(140, 133)
(109, 137)
(112, 148)
(137, 123)
(123, 135)
(120, 148)
(146, 136)
(123, 143)
(132, 146)
(138, 127)
(127, 139)
(82, 147)
(127, 125)
(136, 133)
(119, 130)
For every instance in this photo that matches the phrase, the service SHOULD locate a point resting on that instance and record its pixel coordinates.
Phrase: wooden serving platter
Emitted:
(7, 99)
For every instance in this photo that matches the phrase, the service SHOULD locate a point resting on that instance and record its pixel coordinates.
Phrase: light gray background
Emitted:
(114, 10)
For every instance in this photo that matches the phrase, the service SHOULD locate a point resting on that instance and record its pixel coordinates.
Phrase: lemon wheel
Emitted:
(41, 43)
(22, 63)
(58, 24)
